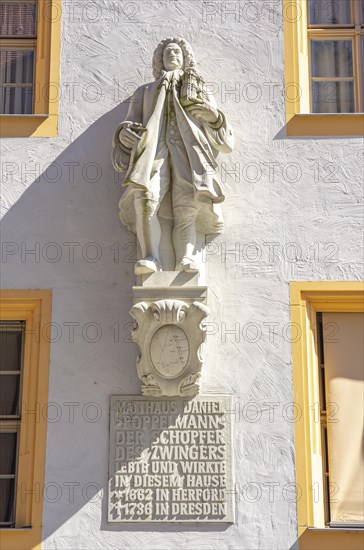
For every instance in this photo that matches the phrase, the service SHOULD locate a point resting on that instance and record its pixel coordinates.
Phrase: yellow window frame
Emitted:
(44, 120)
(306, 299)
(33, 307)
(299, 119)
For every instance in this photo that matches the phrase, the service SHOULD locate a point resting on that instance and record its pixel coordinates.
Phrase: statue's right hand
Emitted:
(128, 135)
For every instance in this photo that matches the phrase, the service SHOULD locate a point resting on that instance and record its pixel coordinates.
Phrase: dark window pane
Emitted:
(16, 66)
(360, 10)
(9, 394)
(7, 500)
(329, 12)
(18, 100)
(331, 58)
(333, 97)
(362, 74)
(10, 350)
(7, 453)
(18, 19)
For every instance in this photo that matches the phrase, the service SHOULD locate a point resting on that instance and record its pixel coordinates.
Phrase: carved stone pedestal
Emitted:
(170, 333)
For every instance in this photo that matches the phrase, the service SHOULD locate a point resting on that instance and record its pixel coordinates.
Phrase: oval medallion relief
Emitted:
(169, 351)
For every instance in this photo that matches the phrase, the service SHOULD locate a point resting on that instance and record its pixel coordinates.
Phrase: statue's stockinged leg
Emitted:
(148, 234)
(184, 238)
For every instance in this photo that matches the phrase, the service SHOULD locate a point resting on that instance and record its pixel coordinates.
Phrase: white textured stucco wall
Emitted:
(297, 200)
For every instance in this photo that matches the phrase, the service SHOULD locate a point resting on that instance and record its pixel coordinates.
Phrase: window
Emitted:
(336, 35)
(24, 366)
(327, 357)
(11, 368)
(341, 364)
(29, 67)
(18, 27)
(324, 67)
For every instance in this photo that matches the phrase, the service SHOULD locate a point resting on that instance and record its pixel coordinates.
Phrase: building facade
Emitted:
(291, 249)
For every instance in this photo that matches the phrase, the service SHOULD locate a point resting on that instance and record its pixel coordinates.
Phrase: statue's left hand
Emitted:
(203, 110)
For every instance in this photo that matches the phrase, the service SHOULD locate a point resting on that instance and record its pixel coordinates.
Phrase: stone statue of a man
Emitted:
(167, 149)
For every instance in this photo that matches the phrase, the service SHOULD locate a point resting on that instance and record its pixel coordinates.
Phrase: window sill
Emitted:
(316, 538)
(325, 125)
(336, 529)
(27, 538)
(38, 125)
(13, 529)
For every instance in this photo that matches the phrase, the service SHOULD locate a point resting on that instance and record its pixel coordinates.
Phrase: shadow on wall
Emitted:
(72, 204)
(64, 233)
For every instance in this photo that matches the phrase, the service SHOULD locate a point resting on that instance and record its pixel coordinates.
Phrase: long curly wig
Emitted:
(188, 57)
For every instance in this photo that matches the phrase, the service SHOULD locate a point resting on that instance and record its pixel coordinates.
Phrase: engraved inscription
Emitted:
(169, 351)
(170, 460)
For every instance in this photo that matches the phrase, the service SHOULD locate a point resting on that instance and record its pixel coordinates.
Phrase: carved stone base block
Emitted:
(170, 332)
(170, 460)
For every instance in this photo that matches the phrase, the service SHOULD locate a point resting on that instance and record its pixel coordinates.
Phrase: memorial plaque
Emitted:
(170, 460)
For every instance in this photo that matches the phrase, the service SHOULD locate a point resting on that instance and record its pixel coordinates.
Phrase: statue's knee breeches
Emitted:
(145, 206)
(185, 213)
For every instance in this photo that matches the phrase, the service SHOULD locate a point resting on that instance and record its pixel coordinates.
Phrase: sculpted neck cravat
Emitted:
(172, 79)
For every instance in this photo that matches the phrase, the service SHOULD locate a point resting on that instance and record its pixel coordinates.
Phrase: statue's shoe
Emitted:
(188, 265)
(147, 265)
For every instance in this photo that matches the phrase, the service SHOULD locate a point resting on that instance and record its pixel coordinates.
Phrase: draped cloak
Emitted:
(202, 143)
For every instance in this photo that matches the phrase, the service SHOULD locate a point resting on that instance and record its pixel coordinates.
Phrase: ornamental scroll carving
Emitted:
(170, 334)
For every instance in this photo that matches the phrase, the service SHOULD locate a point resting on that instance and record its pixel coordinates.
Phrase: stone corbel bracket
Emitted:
(170, 334)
